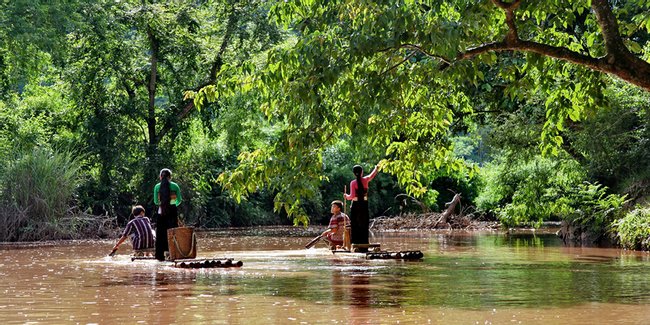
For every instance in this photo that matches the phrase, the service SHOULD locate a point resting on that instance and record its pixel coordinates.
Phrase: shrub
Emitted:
(525, 190)
(38, 193)
(590, 206)
(633, 230)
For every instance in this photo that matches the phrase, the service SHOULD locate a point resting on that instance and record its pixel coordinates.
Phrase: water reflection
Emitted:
(464, 278)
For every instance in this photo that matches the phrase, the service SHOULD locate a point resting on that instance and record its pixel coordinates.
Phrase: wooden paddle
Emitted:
(313, 242)
(346, 232)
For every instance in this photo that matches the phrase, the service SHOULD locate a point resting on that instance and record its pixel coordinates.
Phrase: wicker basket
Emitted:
(182, 243)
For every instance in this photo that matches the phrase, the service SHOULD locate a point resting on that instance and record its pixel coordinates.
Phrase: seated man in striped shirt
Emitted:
(339, 220)
(142, 235)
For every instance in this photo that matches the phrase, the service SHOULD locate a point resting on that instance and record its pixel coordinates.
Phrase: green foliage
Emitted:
(283, 118)
(37, 193)
(129, 64)
(621, 129)
(321, 95)
(5, 84)
(108, 79)
(591, 206)
(633, 230)
(388, 75)
(19, 132)
(522, 190)
(543, 189)
(205, 203)
(41, 116)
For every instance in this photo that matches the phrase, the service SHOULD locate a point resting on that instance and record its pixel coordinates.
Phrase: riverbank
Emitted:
(407, 222)
(430, 221)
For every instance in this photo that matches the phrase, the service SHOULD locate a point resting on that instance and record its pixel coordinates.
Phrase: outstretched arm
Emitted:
(374, 173)
(119, 242)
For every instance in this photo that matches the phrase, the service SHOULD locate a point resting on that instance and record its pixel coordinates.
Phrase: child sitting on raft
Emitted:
(141, 234)
(339, 220)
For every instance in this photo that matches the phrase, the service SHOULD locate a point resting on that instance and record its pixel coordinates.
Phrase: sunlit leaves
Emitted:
(385, 74)
(633, 230)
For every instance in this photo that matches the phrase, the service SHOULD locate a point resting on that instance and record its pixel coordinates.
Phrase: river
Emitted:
(464, 278)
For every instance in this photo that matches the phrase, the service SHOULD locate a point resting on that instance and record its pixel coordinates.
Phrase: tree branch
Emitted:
(509, 9)
(534, 47)
(218, 62)
(618, 61)
(171, 67)
(425, 52)
(129, 90)
(398, 64)
(609, 28)
(151, 87)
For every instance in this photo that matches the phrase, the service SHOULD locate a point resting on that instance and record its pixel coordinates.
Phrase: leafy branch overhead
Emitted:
(543, 95)
(396, 77)
(617, 59)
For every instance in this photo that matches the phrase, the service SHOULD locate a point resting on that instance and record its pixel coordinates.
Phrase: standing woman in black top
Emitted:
(359, 214)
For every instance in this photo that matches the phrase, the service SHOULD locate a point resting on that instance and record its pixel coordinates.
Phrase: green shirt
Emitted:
(174, 190)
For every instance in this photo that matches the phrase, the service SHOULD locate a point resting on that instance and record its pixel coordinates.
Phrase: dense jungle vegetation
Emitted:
(532, 110)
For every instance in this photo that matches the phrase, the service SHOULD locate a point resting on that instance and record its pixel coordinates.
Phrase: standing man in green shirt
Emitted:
(167, 196)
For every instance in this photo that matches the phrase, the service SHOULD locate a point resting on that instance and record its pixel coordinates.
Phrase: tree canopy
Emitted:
(534, 110)
(398, 78)
(122, 67)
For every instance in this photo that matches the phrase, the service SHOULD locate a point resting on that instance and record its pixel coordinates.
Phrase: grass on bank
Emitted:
(37, 198)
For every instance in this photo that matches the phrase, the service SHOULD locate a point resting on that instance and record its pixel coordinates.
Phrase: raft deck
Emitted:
(374, 252)
(198, 263)
(384, 255)
(207, 263)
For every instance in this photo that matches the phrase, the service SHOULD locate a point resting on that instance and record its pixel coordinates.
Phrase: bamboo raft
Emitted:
(384, 255)
(193, 263)
(374, 252)
(139, 258)
(400, 255)
(207, 263)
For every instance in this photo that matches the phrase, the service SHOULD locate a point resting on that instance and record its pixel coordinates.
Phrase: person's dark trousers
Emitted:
(165, 221)
(359, 222)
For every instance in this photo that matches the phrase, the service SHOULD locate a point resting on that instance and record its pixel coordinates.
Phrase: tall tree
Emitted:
(396, 75)
(127, 65)
(137, 60)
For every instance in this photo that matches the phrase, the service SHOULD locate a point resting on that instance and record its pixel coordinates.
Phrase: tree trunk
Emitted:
(151, 89)
(451, 207)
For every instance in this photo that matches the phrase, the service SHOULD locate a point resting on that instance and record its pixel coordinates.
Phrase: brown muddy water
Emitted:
(465, 278)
